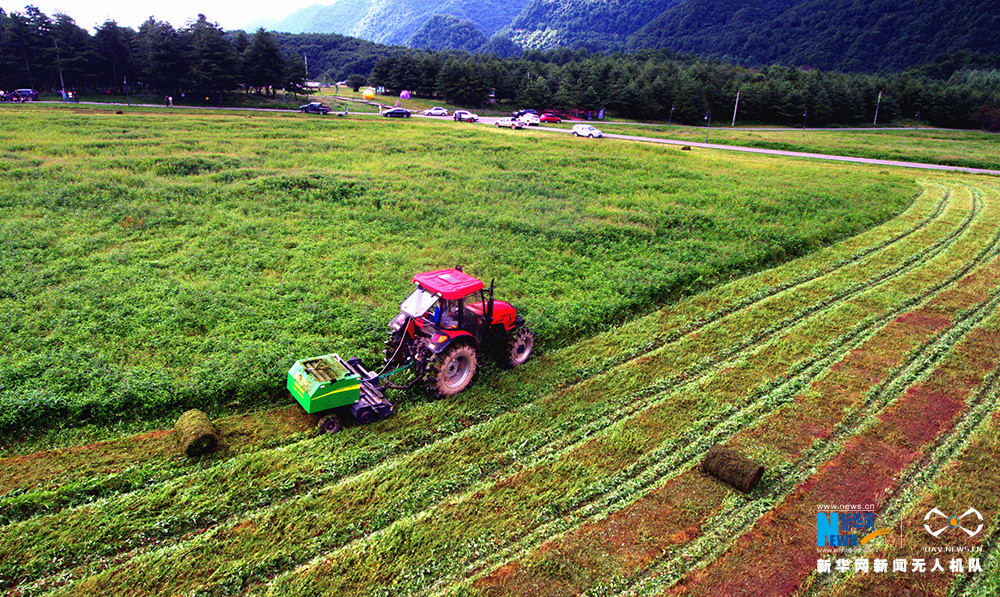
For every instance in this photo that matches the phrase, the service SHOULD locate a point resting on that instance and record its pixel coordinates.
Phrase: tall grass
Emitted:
(158, 260)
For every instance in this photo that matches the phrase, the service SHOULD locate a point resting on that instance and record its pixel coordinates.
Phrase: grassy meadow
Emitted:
(158, 260)
(970, 149)
(835, 323)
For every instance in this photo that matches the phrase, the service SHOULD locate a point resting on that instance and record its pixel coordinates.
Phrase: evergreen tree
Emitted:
(264, 63)
(113, 45)
(159, 56)
(212, 62)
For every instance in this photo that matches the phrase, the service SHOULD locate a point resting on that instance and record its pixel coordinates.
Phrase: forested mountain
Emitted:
(592, 24)
(842, 35)
(395, 21)
(849, 35)
(445, 32)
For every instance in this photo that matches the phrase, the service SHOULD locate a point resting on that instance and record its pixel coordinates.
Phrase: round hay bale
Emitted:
(196, 434)
(733, 468)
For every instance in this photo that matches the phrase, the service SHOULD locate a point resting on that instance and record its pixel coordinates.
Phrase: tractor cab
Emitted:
(449, 310)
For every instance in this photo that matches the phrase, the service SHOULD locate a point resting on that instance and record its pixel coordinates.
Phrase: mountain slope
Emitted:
(445, 32)
(852, 35)
(595, 24)
(395, 21)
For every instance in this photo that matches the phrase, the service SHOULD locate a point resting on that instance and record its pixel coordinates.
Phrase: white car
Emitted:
(509, 122)
(529, 119)
(586, 130)
(435, 111)
(465, 116)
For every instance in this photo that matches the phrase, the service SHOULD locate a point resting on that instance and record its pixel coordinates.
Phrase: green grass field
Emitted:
(836, 323)
(161, 260)
(970, 149)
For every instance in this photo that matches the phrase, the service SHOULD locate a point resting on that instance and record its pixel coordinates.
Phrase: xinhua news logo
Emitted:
(838, 529)
(962, 522)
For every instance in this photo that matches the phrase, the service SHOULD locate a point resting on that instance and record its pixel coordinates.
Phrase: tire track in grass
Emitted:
(353, 546)
(661, 575)
(875, 448)
(910, 498)
(863, 408)
(940, 207)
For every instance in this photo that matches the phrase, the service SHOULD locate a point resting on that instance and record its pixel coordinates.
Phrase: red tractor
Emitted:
(447, 324)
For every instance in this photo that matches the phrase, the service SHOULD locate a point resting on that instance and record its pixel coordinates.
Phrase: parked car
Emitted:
(586, 130)
(512, 123)
(314, 108)
(396, 113)
(520, 113)
(549, 117)
(465, 116)
(23, 95)
(435, 111)
(529, 118)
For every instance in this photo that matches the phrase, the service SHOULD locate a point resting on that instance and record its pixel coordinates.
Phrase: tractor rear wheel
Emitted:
(452, 371)
(519, 346)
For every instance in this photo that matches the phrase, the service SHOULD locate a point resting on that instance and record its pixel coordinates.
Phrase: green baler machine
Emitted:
(327, 382)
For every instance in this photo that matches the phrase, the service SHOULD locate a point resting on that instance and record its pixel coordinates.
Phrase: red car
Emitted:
(549, 117)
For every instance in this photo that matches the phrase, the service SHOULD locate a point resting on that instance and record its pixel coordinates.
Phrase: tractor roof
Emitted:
(449, 283)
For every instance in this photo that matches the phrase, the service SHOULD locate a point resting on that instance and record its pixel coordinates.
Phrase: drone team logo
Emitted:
(954, 522)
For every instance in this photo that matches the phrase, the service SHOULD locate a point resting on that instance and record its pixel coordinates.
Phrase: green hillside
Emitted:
(445, 32)
(851, 35)
(394, 21)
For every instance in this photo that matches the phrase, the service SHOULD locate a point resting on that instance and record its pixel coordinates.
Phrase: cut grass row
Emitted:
(785, 531)
(713, 535)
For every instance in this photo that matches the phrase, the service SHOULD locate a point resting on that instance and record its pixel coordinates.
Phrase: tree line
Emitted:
(959, 90)
(956, 91)
(42, 53)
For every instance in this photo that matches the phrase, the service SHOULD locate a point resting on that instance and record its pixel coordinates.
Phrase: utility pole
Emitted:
(62, 86)
(708, 117)
(737, 107)
(671, 121)
(877, 104)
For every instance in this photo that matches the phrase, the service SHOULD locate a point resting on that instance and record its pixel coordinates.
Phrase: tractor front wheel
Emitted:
(452, 371)
(519, 346)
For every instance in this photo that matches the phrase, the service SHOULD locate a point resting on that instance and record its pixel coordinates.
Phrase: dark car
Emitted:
(24, 95)
(314, 108)
(520, 113)
(396, 113)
